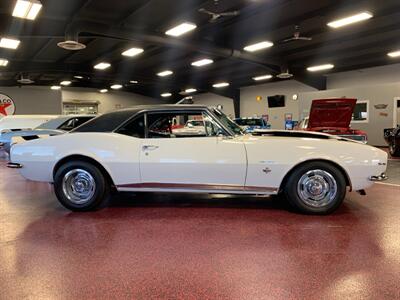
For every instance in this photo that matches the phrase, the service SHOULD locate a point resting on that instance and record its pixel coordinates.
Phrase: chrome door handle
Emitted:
(149, 147)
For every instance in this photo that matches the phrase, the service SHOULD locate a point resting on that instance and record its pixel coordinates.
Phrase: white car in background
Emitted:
(55, 126)
(23, 122)
(137, 149)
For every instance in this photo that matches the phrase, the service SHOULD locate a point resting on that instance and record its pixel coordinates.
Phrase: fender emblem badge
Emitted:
(266, 170)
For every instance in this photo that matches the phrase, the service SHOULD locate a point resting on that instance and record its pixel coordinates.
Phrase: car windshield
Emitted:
(249, 122)
(228, 122)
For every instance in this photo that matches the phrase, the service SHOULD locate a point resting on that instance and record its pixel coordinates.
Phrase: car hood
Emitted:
(331, 113)
(299, 135)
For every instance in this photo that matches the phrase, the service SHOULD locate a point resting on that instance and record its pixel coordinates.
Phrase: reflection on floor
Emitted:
(393, 172)
(189, 246)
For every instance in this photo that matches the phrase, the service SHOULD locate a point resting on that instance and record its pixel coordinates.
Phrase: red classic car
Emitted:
(333, 116)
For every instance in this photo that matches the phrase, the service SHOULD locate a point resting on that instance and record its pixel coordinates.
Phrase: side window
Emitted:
(181, 125)
(68, 125)
(134, 128)
(361, 112)
(80, 121)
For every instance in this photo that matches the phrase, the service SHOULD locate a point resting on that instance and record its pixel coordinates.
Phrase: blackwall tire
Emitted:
(316, 188)
(81, 186)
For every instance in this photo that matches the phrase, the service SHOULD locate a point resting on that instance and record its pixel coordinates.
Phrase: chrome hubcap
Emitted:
(78, 186)
(317, 188)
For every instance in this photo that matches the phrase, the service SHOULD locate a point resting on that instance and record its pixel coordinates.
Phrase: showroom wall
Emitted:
(210, 99)
(34, 99)
(108, 101)
(249, 106)
(43, 100)
(365, 77)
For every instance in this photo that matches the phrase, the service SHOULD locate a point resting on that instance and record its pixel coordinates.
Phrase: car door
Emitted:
(175, 156)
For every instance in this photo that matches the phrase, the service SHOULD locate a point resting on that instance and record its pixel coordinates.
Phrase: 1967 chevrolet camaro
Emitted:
(143, 149)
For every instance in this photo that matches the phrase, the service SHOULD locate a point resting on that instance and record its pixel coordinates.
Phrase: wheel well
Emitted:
(85, 159)
(339, 167)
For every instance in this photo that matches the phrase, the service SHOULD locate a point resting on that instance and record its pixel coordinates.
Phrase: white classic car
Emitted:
(138, 149)
(56, 126)
(23, 122)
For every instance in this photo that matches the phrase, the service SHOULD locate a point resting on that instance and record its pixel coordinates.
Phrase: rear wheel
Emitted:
(81, 186)
(316, 188)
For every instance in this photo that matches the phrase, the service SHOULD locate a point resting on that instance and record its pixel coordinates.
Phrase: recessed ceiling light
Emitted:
(56, 87)
(165, 73)
(258, 46)
(221, 84)
(202, 62)
(166, 95)
(394, 54)
(262, 77)
(116, 86)
(9, 43)
(102, 66)
(103, 91)
(181, 29)
(132, 52)
(350, 20)
(320, 68)
(3, 62)
(27, 9)
(65, 82)
(134, 81)
(191, 90)
(78, 77)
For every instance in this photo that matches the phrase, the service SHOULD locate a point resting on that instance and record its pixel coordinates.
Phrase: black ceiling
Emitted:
(110, 26)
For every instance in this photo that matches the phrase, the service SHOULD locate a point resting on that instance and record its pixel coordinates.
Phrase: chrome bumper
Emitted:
(381, 177)
(14, 165)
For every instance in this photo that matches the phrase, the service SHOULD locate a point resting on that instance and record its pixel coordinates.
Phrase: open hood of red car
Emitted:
(331, 113)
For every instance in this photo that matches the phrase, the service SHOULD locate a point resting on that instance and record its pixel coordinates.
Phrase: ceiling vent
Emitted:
(285, 74)
(71, 45)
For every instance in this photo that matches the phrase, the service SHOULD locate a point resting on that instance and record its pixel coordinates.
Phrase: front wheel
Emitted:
(81, 186)
(316, 188)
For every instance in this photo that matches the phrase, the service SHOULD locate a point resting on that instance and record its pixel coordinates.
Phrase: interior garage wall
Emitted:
(249, 106)
(365, 77)
(34, 99)
(109, 101)
(210, 99)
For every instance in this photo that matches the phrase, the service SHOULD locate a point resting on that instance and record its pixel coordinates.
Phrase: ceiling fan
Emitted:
(25, 80)
(296, 36)
(216, 16)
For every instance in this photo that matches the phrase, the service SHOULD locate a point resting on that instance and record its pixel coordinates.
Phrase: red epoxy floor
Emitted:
(196, 247)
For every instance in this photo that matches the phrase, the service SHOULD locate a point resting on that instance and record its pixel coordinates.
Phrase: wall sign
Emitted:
(7, 106)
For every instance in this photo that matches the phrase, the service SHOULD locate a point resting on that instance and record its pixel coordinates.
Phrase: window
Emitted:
(134, 128)
(181, 125)
(361, 112)
(80, 108)
(228, 122)
(73, 123)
